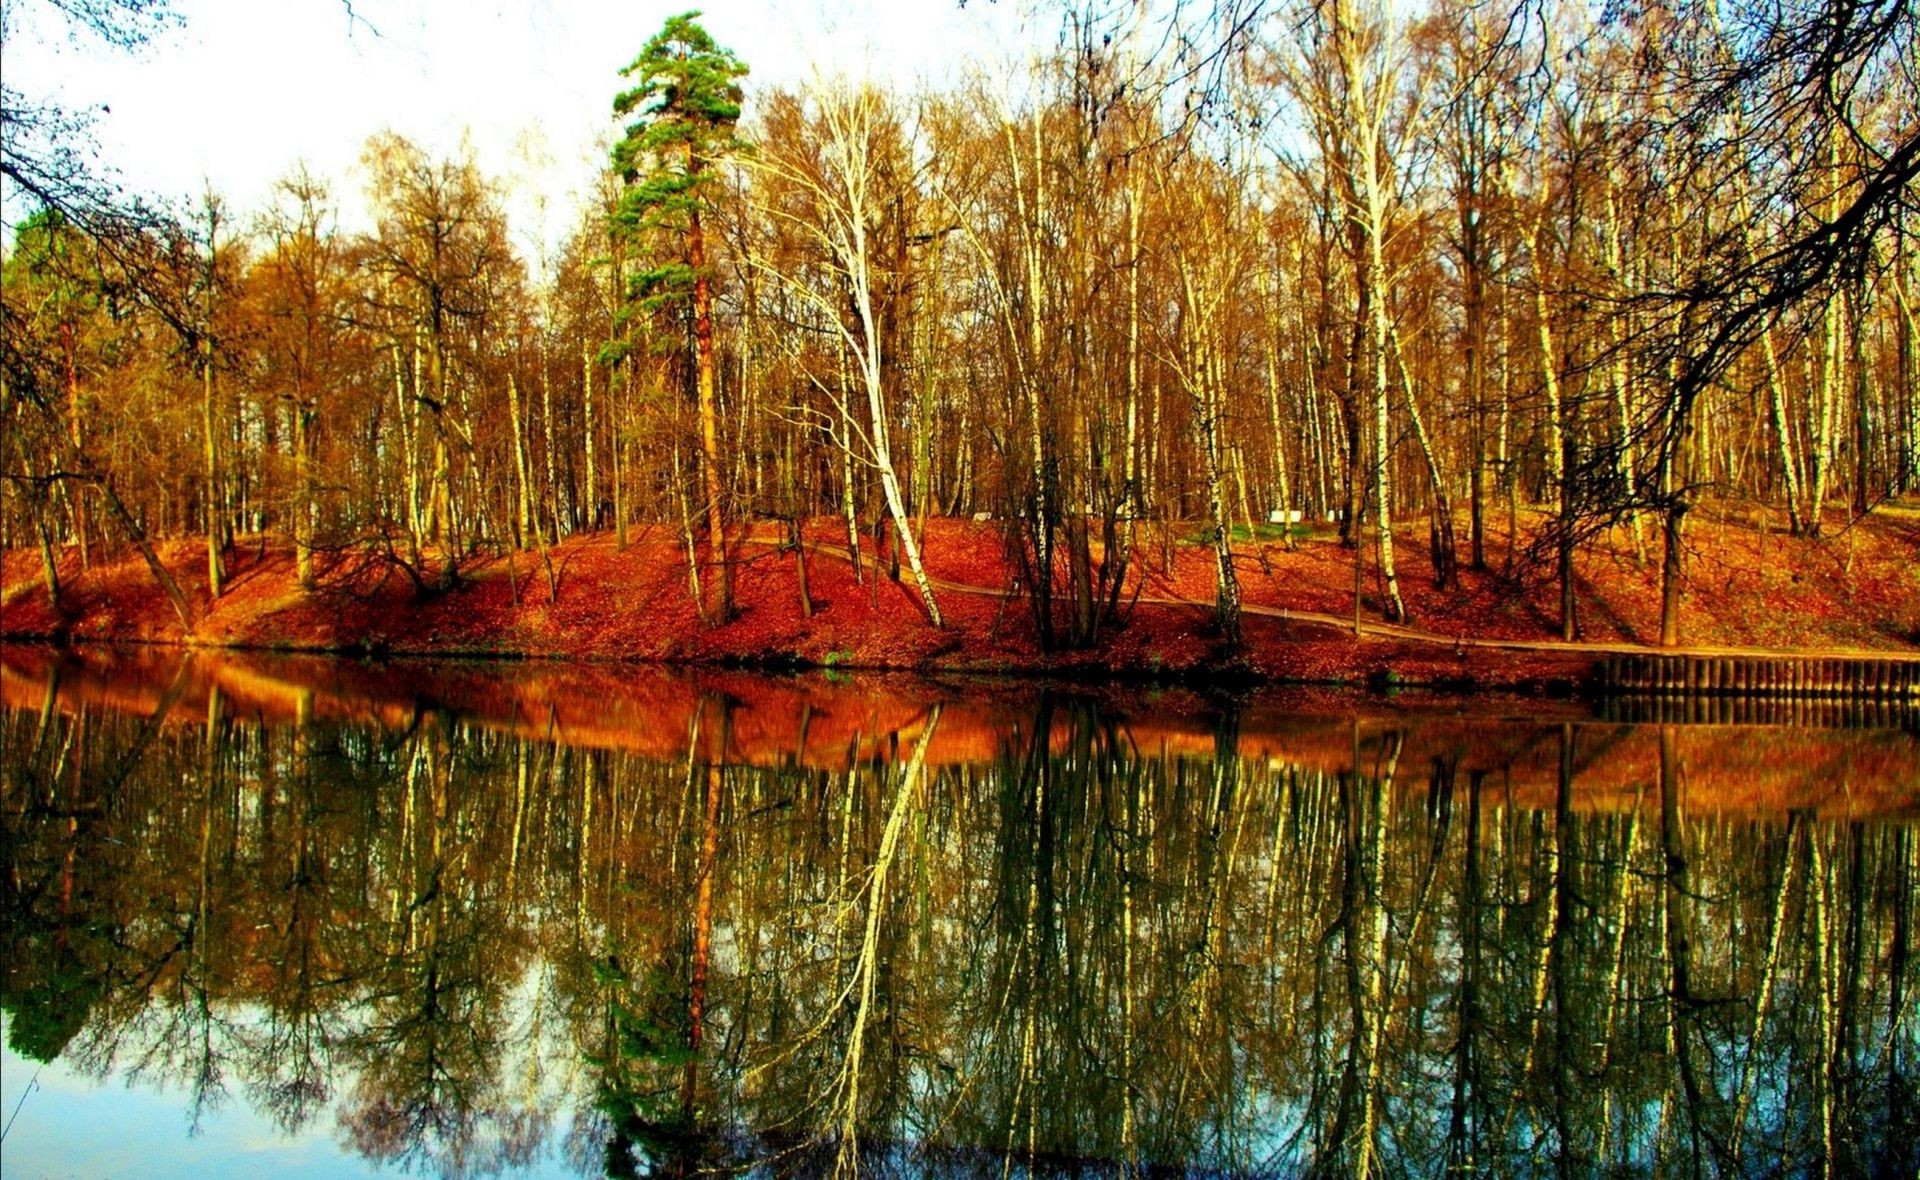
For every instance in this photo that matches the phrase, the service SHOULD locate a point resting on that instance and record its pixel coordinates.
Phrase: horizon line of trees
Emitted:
(1522, 272)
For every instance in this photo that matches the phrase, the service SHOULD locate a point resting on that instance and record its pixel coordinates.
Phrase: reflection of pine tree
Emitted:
(1123, 937)
(638, 1074)
(47, 1007)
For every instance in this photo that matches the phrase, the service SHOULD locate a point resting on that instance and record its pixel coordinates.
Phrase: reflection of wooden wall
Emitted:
(831, 724)
(1825, 712)
(1882, 678)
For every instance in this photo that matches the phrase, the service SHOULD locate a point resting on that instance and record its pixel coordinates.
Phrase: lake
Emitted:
(271, 914)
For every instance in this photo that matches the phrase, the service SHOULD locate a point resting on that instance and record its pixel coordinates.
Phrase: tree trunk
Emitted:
(1907, 369)
(871, 376)
(617, 445)
(1445, 565)
(49, 565)
(1863, 425)
(1558, 437)
(75, 493)
(591, 520)
(686, 532)
(849, 509)
(1475, 349)
(796, 536)
(1396, 610)
(1226, 605)
(549, 498)
(1820, 424)
(211, 509)
(523, 508)
(39, 504)
(1283, 491)
(176, 598)
(303, 506)
(1671, 572)
(709, 414)
(445, 528)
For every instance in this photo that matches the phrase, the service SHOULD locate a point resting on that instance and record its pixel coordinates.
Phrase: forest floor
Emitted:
(1750, 587)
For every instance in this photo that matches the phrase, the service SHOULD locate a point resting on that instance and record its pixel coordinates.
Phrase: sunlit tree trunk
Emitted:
(881, 423)
(212, 513)
(617, 446)
(849, 505)
(1282, 489)
(1907, 373)
(591, 518)
(550, 497)
(854, 131)
(523, 499)
(75, 493)
(1445, 566)
(1396, 609)
(722, 609)
(406, 413)
(1559, 437)
(1783, 433)
(1827, 379)
(303, 506)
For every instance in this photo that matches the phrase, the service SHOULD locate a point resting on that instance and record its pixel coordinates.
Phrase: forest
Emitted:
(1503, 282)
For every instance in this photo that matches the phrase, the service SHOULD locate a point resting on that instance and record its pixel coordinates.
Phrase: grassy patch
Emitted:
(1241, 534)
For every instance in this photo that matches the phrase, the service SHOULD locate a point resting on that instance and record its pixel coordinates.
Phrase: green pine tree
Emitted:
(686, 97)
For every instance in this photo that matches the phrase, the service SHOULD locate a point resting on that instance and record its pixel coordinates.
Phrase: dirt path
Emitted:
(1381, 630)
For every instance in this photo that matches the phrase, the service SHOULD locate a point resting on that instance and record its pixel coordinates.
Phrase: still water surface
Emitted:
(303, 917)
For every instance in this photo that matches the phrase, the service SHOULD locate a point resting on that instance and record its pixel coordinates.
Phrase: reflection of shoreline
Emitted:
(466, 949)
(825, 722)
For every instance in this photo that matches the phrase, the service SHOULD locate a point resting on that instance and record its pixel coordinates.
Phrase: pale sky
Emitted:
(244, 89)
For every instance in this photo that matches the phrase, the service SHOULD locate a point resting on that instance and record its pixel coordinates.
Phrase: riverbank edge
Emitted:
(1375, 665)
(632, 609)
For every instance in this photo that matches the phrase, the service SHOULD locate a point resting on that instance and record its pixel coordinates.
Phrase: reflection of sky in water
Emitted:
(75, 1125)
(1083, 951)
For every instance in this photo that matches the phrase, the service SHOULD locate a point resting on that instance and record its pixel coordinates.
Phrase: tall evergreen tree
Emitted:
(687, 100)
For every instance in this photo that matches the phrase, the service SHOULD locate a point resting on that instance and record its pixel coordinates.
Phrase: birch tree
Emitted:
(849, 151)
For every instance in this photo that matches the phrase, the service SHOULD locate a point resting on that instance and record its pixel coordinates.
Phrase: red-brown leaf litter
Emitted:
(1749, 585)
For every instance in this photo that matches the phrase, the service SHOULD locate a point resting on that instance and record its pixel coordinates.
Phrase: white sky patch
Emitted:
(244, 90)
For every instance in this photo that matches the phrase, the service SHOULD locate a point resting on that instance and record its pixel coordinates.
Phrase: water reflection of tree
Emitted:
(648, 1058)
(1080, 954)
(442, 955)
(291, 1050)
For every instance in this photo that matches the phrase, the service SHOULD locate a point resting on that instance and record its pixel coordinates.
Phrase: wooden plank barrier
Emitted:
(1776, 677)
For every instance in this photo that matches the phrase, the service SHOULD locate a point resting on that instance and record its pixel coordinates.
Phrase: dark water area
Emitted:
(308, 917)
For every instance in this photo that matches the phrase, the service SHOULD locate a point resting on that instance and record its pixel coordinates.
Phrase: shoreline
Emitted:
(836, 722)
(633, 606)
(1580, 673)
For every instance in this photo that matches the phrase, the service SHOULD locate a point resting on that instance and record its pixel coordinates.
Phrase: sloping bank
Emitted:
(589, 600)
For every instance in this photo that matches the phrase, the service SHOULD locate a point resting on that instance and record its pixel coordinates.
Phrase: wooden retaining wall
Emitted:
(1770, 678)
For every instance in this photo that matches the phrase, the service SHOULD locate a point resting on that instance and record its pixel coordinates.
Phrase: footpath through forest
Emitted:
(1753, 591)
